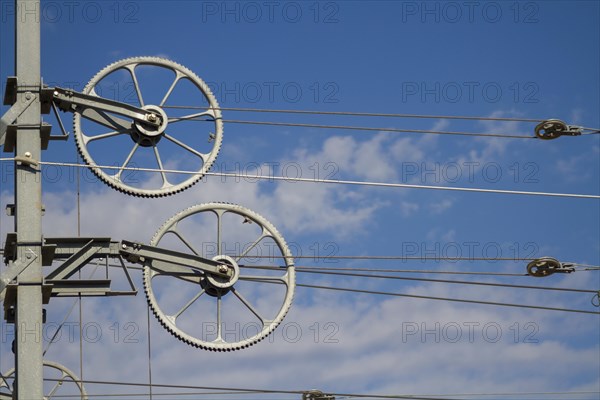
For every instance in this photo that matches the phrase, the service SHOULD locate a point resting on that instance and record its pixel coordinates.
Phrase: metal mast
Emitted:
(28, 202)
(23, 285)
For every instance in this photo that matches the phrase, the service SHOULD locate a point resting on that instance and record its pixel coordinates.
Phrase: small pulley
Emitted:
(546, 266)
(554, 128)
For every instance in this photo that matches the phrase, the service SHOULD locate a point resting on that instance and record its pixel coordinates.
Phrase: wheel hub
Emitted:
(216, 285)
(148, 135)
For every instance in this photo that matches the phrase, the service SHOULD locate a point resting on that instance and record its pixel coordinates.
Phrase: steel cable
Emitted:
(332, 181)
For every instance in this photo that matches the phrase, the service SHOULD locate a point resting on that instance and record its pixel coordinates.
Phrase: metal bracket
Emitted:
(79, 257)
(10, 140)
(10, 244)
(65, 134)
(46, 99)
(14, 270)
(10, 300)
(27, 160)
(13, 113)
(79, 252)
(10, 93)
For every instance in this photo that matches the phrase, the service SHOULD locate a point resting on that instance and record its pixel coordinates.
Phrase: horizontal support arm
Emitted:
(170, 261)
(70, 100)
(79, 251)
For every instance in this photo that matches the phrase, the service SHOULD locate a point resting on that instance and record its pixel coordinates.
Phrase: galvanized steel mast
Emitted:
(28, 204)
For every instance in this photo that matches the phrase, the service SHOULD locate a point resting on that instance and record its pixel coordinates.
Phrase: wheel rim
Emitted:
(215, 298)
(57, 387)
(145, 164)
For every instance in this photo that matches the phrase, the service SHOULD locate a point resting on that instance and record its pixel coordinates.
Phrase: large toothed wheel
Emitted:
(59, 382)
(141, 159)
(213, 312)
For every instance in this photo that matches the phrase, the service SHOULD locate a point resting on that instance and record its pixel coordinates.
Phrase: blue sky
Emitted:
(515, 59)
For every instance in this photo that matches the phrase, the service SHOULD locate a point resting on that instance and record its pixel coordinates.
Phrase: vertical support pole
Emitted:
(28, 201)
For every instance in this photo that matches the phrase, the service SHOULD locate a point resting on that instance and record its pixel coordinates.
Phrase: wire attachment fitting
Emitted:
(316, 395)
(554, 128)
(546, 266)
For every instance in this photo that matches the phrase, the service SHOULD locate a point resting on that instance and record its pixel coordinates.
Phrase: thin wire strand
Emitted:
(405, 278)
(593, 131)
(384, 115)
(372, 129)
(225, 390)
(422, 271)
(331, 181)
(395, 271)
(257, 391)
(584, 265)
(492, 303)
(361, 114)
(512, 394)
(443, 396)
(75, 302)
(149, 353)
(171, 394)
(79, 272)
(385, 258)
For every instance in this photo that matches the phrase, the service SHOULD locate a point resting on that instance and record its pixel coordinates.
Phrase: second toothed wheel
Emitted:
(60, 382)
(212, 312)
(147, 161)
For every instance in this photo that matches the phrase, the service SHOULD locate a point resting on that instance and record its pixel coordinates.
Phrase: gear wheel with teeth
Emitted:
(135, 158)
(66, 382)
(212, 312)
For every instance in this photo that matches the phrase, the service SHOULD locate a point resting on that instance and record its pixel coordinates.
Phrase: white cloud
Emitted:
(441, 206)
(362, 343)
(408, 208)
(573, 169)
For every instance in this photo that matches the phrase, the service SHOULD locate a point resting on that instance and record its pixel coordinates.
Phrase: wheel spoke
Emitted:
(131, 69)
(176, 232)
(188, 304)
(251, 247)
(219, 228)
(162, 170)
(219, 338)
(110, 121)
(55, 388)
(88, 139)
(178, 76)
(248, 305)
(185, 146)
(117, 176)
(209, 112)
